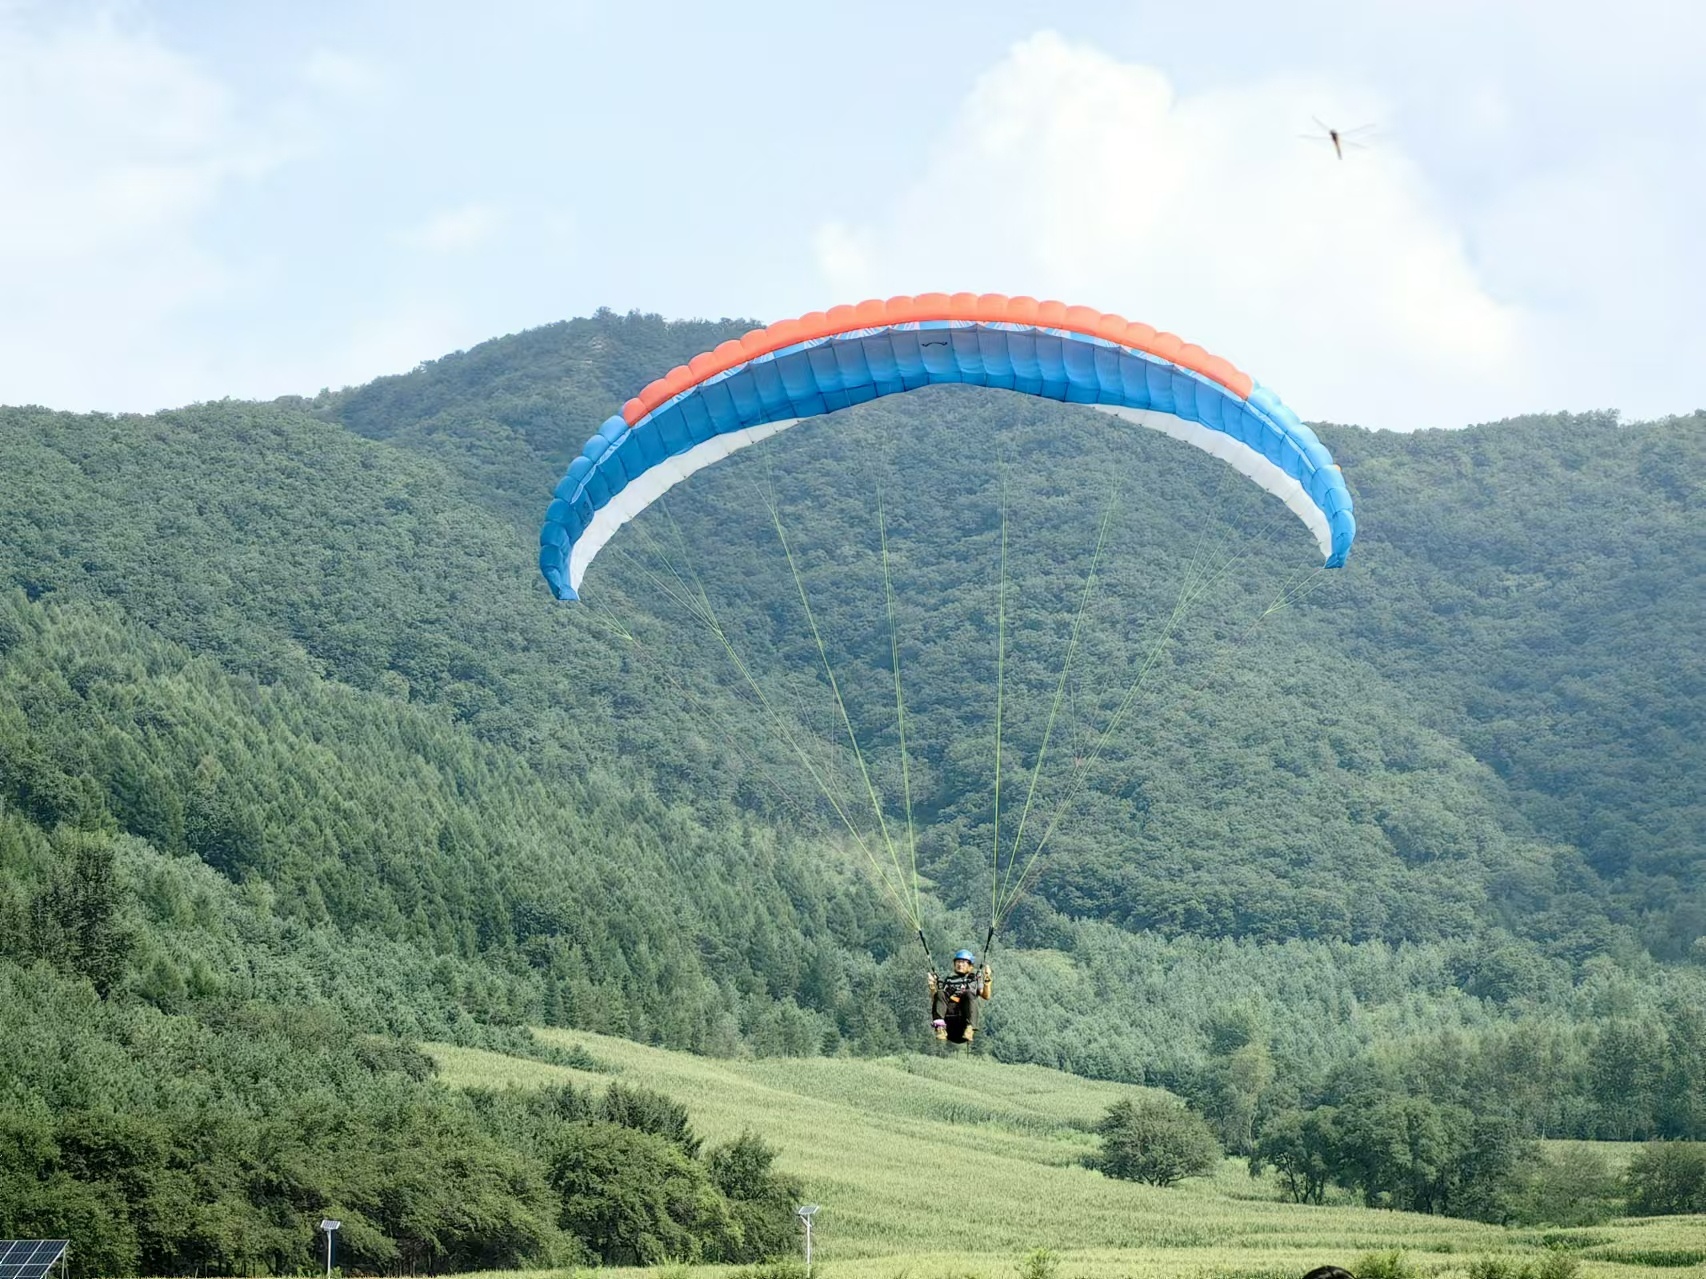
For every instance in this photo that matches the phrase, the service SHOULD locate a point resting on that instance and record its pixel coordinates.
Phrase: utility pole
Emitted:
(805, 1212)
(329, 1224)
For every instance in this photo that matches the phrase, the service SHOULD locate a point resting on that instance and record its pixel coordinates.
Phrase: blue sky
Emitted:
(210, 199)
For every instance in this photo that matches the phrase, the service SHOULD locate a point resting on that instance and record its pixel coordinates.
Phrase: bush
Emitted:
(1556, 1264)
(1040, 1263)
(774, 1270)
(1390, 1265)
(1156, 1140)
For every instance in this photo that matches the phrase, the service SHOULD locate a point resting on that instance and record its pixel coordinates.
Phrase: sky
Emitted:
(201, 199)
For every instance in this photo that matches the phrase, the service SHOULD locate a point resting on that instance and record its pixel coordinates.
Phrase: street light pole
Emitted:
(329, 1224)
(805, 1212)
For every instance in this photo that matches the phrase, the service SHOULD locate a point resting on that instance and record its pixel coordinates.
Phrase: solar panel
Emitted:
(30, 1258)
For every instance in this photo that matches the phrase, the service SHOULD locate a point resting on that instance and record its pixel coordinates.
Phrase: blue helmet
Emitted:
(965, 955)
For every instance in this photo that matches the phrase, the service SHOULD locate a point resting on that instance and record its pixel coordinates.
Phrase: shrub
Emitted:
(1555, 1264)
(775, 1270)
(1393, 1265)
(1040, 1263)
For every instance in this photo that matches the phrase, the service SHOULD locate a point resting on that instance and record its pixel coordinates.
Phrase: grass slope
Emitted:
(959, 1166)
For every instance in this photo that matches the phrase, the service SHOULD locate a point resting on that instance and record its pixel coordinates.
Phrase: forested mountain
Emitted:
(287, 721)
(1525, 600)
(1538, 585)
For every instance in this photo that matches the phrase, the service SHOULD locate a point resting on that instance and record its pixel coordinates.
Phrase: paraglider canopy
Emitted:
(748, 389)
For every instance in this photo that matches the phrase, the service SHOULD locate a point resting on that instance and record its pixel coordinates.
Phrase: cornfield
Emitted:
(957, 1167)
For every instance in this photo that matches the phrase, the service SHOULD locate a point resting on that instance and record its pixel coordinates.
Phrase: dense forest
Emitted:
(1526, 590)
(299, 764)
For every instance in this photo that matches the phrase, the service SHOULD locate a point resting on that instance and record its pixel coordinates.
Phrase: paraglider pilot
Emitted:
(956, 999)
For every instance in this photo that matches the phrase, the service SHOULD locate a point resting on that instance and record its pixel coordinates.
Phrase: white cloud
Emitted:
(104, 139)
(1069, 174)
(455, 230)
(113, 148)
(244, 219)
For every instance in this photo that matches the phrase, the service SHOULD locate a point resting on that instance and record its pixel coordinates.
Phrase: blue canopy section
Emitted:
(1259, 436)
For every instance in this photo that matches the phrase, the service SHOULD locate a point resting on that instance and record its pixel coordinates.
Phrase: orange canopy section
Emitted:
(984, 308)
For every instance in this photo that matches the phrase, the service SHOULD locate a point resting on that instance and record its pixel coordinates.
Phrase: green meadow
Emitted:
(958, 1167)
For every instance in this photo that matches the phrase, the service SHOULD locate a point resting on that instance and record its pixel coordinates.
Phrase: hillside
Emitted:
(883, 1146)
(1528, 591)
(291, 737)
(1333, 773)
(1540, 590)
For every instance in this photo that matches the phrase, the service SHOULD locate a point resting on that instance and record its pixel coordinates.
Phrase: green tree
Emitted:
(1302, 1146)
(1155, 1140)
(1418, 1155)
(637, 1199)
(646, 1110)
(1574, 1186)
(1235, 1086)
(75, 922)
(761, 1199)
(41, 1197)
(217, 827)
(1667, 1177)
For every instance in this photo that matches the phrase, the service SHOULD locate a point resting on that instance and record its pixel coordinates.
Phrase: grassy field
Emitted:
(956, 1168)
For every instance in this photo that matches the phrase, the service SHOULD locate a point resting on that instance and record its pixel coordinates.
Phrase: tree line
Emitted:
(214, 1144)
(1408, 1153)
